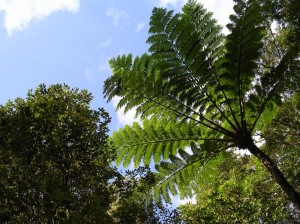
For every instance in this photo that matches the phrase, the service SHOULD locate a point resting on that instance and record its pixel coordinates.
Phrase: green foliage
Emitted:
(132, 206)
(161, 139)
(199, 90)
(54, 158)
(282, 138)
(287, 15)
(239, 190)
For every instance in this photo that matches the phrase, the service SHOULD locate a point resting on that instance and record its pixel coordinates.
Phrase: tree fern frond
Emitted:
(194, 89)
(187, 46)
(137, 159)
(128, 158)
(157, 139)
(243, 50)
(149, 151)
(177, 174)
(183, 154)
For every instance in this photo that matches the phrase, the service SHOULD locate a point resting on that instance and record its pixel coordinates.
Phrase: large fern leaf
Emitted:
(196, 90)
(182, 171)
(157, 140)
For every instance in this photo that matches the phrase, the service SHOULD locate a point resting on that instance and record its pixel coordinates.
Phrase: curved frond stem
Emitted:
(291, 126)
(230, 108)
(221, 112)
(209, 98)
(240, 84)
(207, 158)
(229, 105)
(183, 104)
(202, 116)
(240, 77)
(212, 101)
(225, 131)
(215, 126)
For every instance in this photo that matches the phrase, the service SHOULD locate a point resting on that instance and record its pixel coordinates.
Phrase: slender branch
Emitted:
(183, 104)
(291, 126)
(280, 67)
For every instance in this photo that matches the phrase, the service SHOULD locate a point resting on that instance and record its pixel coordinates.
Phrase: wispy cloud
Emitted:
(106, 43)
(165, 3)
(116, 15)
(139, 27)
(103, 65)
(19, 13)
(89, 74)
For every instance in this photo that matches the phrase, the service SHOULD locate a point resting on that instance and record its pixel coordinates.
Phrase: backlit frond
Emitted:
(197, 91)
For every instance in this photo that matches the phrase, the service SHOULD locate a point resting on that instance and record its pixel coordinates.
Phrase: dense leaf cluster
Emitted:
(54, 158)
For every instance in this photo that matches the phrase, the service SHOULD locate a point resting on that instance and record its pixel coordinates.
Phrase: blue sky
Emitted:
(71, 41)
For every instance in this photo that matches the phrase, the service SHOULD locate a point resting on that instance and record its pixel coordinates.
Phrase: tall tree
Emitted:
(199, 90)
(54, 158)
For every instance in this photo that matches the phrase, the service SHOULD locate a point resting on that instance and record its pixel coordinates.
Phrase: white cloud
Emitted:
(106, 43)
(124, 118)
(103, 65)
(116, 15)
(139, 27)
(221, 10)
(19, 13)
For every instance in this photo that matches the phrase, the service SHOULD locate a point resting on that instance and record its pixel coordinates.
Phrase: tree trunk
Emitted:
(277, 175)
